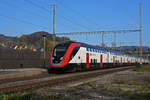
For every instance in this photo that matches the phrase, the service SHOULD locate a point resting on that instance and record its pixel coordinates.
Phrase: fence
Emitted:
(10, 58)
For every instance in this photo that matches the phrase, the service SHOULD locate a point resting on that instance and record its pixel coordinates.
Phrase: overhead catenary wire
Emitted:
(8, 17)
(87, 19)
(61, 16)
(67, 19)
(23, 9)
(84, 17)
(22, 21)
(37, 5)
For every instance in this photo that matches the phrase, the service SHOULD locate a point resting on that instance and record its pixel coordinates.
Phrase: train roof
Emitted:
(100, 48)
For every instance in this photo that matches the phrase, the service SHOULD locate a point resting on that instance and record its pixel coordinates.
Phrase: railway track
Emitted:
(56, 80)
(8, 80)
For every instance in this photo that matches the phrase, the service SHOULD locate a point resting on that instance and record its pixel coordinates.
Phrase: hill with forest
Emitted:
(30, 41)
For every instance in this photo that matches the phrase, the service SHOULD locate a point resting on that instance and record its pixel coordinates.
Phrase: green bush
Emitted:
(143, 68)
(138, 65)
(14, 96)
(91, 83)
(19, 96)
(2, 96)
(141, 96)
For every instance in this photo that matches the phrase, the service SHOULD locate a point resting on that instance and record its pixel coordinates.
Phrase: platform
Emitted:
(25, 72)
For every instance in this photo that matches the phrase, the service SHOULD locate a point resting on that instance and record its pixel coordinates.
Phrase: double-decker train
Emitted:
(73, 56)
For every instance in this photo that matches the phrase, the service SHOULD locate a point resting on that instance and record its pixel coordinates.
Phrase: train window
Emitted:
(79, 57)
(94, 60)
(59, 51)
(91, 50)
(74, 52)
(91, 60)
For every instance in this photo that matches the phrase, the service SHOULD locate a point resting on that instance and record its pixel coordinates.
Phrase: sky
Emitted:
(19, 17)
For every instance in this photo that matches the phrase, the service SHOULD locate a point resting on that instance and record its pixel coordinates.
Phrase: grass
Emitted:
(127, 93)
(91, 83)
(72, 90)
(86, 95)
(54, 97)
(2, 96)
(148, 86)
(145, 68)
(119, 82)
(141, 96)
(31, 95)
(133, 83)
(20, 96)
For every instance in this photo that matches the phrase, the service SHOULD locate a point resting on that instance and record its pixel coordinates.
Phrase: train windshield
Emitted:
(59, 52)
(61, 49)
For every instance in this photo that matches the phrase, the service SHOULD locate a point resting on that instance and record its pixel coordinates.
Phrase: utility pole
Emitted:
(120, 46)
(141, 48)
(44, 51)
(54, 6)
(102, 39)
(54, 18)
(114, 40)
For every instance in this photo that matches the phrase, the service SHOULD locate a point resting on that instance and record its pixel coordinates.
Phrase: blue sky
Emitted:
(19, 17)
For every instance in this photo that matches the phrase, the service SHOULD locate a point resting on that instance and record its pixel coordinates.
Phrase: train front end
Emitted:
(60, 56)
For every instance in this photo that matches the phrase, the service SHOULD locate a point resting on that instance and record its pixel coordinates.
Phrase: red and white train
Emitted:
(72, 56)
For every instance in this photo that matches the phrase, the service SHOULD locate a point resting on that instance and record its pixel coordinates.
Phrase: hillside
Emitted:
(33, 40)
(4, 38)
(36, 38)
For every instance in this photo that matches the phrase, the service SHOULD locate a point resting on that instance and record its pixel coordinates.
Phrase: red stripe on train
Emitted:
(121, 61)
(87, 61)
(101, 61)
(66, 57)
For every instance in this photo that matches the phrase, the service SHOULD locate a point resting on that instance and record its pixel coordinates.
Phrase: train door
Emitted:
(107, 57)
(121, 61)
(87, 61)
